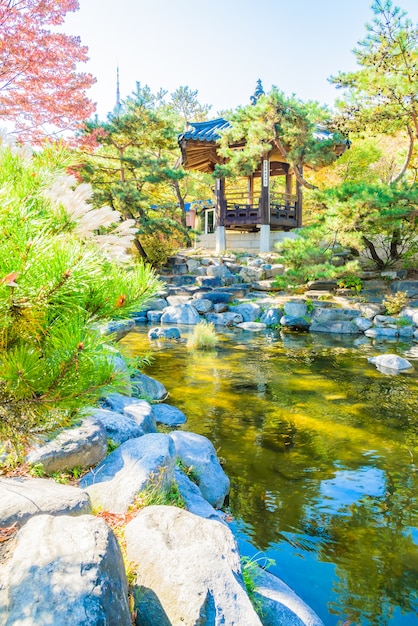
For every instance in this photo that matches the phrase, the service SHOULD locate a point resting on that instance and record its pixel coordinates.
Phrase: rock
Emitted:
(381, 331)
(295, 323)
(266, 285)
(220, 307)
(390, 362)
(321, 315)
(198, 452)
(280, 605)
(187, 279)
(118, 426)
(190, 583)
(193, 499)
(322, 285)
(84, 445)
(271, 317)
(275, 270)
(168, 415)
(176, 300)
(224, 319)
(410, 287)
(254, 327)
(118, 402)
(180, 314)
(342, 328)
(218, 270)
(119, 328)
(362, 323)
(148, 387)
(411, 313)
(164, 333)
(296, 308)
(138, 463)
(209, 281)
(249, 311)
(202, 305)
(64, 571)
(406, 332)
(385, 320)
(22, 498)
(215, 296)
(193, 265)
(143, 414)
(154, 316)
(370, 310)
(251, 274)
(156, 304)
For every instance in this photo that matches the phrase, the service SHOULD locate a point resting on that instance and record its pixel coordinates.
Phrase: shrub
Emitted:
(395, 303)
(203, 337)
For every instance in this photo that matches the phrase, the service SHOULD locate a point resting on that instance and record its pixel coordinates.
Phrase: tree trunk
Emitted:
(371, 248)
(394, 243)
(140, 249)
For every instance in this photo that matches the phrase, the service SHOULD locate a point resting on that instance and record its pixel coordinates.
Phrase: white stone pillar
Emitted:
(220, 235)
(265, 238)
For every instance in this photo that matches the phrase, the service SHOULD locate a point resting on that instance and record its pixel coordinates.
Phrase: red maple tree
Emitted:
(41, 91)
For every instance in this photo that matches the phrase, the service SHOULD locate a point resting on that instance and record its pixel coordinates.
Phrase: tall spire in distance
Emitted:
(117, 107)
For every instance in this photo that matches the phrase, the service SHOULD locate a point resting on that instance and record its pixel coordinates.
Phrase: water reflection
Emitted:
(321, 451)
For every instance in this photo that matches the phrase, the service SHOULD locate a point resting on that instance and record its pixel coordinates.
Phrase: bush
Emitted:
(395, 303)
(203, 337)
(58, 284)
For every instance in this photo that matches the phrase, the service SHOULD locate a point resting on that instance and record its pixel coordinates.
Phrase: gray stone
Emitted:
(64, 571)
(187, 279)
(202, 305)
(118, 426)
(385, 320)
(22, 498)
(254, 327)
(193, 265)
(180, 314)
(280, 605)
(84, 445)
(218, 270)
(198, 452)
(390, 362)
(296, 308)
(295, 323)
(220, 307)
(249, 311)
(119, 328)
(224, 319)
(168, 415)
(147, 387)
(251, 274)
(410, 287)
(275, 270)
(271, 317)
(411, 313)
(370, 310)
(156, 304)
(215, 296)
(175, 300)
(266, 285)
(117, 402)
(406, 332)
(323, 285)
(340, 328)
(143, 414)
(164, 333)
(321, 315)
(190, 583)
(154, 316)
(137, 464)
(381, 331)
(209, 281)
(363, 323)
(193, 499)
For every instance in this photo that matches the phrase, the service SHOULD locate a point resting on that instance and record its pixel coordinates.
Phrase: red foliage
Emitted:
(41, 91)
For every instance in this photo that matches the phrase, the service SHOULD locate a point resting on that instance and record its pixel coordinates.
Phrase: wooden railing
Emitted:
(241, 212)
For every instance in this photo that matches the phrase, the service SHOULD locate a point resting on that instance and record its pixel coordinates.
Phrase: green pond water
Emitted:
(322, 452)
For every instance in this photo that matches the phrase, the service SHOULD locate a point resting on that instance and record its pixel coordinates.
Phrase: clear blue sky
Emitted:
(221, 47)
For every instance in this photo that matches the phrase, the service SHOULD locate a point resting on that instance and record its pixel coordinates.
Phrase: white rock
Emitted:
(391, 362)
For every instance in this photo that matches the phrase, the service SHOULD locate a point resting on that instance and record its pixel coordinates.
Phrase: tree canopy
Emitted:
(41, 91)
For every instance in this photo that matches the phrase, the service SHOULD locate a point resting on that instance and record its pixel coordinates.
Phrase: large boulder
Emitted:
(198, 452)
(83, 445)
(202, 305)
(279, 604)
(323, 315)
(180, 314)
(191, 582)
(254, 327)
(296, 308)
(193, 499)
(119, 427)
(147, 387)
(390, 362)
(164, 333)
(137, 464)
(64, 571)
(295, 323)
(410, 287)
(229, 318)
(335, 327)
(22, 498)
(249, 311)
(271, 317)
(168, 415)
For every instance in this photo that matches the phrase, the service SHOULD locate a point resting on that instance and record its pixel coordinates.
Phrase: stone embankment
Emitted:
(61, 562)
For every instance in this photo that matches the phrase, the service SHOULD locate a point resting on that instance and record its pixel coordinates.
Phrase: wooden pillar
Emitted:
(289, 186)
(299, 204)
(265, 191)
(220, 214)
(251, 190)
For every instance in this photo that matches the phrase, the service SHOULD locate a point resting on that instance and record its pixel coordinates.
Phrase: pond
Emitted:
(322, 453)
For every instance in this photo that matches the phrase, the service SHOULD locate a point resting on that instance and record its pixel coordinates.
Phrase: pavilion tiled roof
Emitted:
(205, 131)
